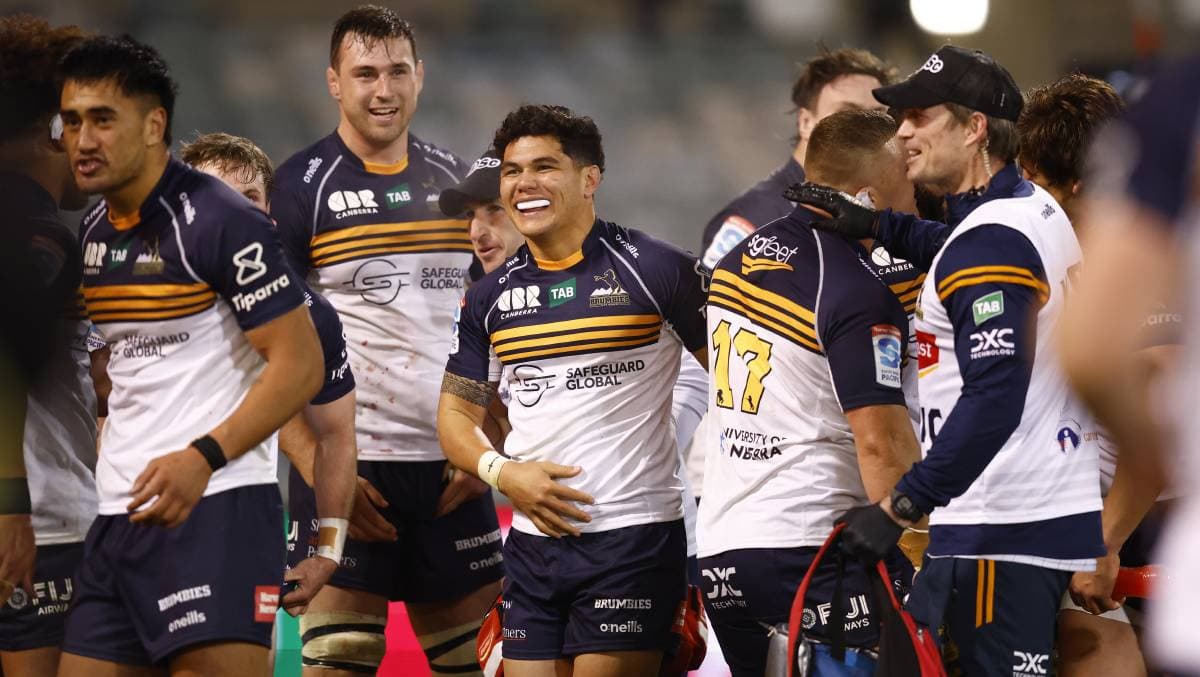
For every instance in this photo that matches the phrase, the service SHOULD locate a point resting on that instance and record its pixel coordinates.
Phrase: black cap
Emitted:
(955, 75)
(482, 184)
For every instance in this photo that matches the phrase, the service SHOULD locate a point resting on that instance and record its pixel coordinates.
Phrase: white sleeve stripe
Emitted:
(442, 167)
(99, 212)
(817, 319)
(635, 276)
(321, 189)
(179, 240)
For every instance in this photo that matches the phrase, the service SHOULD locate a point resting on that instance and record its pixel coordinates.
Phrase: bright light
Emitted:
(949, 17)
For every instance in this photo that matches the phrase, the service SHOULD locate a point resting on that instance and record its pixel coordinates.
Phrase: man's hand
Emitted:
(1093, 590)
(460, 488)
(532, 488)
(309, 576)
(850, 218)
(17, 552)
(870, 531)
(366, 524)
(178, 480)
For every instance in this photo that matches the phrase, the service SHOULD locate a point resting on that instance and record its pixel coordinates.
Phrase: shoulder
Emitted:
(846, 278)
(643, 248)
(202, 205)
(763, 203)
(437, 156)
(304, 169)
(92, 217)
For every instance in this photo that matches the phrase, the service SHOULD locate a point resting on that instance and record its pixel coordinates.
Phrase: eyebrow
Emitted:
(94, 110)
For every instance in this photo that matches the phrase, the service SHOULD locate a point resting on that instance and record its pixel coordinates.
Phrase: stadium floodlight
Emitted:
(949, 17)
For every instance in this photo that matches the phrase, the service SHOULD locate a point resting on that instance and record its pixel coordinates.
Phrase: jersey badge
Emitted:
(732, 231)
(988, 306)
(608, 292)
(563, 292)
(885, 339)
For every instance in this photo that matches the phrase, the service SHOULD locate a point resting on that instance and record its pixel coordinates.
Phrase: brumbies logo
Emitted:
(608, 291)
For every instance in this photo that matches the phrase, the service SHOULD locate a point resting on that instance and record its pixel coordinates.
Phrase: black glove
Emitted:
(870, 532)
(850, 218)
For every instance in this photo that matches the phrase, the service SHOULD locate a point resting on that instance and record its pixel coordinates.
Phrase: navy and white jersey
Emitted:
(590, 348)
(339, 378)
(171, 289)
(1004, 471)
(800, 331)
(761, 204)
(371, 239)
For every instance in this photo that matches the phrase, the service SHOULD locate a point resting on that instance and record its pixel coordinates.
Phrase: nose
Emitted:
(476, 228)
(906, 129)
(86, 140)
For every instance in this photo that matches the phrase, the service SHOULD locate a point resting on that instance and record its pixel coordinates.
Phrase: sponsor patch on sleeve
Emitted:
(988, 306)
(885, 339)
(732, 231)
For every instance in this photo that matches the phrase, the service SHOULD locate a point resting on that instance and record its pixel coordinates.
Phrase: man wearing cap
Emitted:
(1013, 493)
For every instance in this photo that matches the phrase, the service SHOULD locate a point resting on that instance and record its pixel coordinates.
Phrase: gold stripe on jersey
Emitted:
(139, 302)
(751, 265)
(389, 238)
(981, 274)
(784, 317)
(555, 339)
(907, 292)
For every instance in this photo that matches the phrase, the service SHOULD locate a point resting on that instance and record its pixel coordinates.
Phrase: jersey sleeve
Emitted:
(470, 348)
(992, 283)
(292, 214)
(339, 378)
(863, 331)
(239, 255)
(911, 238)
(679, 285)
(722, 234)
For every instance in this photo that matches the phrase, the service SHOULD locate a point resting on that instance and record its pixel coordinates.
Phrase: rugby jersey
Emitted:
(372, 240)
(800, 331)
(590, 349)
(171, 289)
(1004, 471)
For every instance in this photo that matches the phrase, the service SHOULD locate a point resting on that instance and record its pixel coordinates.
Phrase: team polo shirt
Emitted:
(590, 349)
(371, 239)
(172, 289)
(800, 331)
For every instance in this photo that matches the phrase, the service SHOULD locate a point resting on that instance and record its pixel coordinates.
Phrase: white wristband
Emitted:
(331, 538)
(489, 467)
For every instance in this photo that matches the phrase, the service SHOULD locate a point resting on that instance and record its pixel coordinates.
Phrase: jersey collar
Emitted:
(150, 205)
(589, 243)
(1004, 184)
(374, 167)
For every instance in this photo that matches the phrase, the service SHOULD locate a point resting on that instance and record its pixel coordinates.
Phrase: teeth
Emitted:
(384, 111)
(533, 204)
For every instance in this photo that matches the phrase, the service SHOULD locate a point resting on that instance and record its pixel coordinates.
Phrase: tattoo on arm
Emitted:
(475, 392)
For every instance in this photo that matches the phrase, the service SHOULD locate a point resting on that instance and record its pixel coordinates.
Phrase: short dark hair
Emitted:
(828, 66)
(1057, 124)
(578, 134)
(842, 146)
(370, 24)
(230, 154)
(1001, 139)
(30, 50)
(136, 68)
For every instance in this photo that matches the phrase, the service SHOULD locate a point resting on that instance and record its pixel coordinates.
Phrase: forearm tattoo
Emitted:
(475, 392)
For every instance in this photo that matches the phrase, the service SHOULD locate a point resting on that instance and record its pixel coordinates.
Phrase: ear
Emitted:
(976, 129)
(155, 128)
(1076, 186)
(419, 75)
(805, 121)
(331, 80)
(591, 180)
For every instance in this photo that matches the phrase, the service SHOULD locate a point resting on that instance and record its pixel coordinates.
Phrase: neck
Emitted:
(563, 241)
(128, 198)
(390, 154)
(974, 175)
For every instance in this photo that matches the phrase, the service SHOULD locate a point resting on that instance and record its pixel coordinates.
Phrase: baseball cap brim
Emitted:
(480, 186)
(907, 94)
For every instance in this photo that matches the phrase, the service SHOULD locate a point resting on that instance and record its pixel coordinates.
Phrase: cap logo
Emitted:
(933, 65)
(484, 163)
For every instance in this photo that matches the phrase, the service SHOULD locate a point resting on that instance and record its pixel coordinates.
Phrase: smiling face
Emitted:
(376, 85)
(493, 235)
(543, 189)
(107, 134)
(939, 149)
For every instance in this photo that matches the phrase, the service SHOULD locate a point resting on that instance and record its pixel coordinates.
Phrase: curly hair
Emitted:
(370, 24)
(1058, 122)
(230, 154)
(136, 68)
(578, 134)
(30, 51)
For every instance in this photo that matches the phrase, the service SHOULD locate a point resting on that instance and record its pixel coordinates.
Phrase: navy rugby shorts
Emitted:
(38, 619)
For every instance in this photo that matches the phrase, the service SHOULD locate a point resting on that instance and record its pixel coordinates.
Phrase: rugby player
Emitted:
(212, 351)
(806, 350)
(587, 321)
(328, 420)
(1014, 495)
(359, 218)
(1140, 215)
(496, 239)
(58, 417)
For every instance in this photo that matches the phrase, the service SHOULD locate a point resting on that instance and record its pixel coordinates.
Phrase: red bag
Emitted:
(905, 650)
(689, 636)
